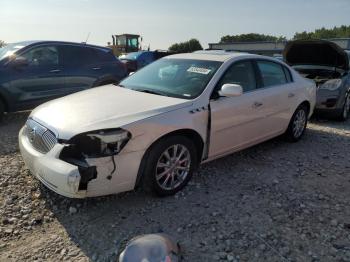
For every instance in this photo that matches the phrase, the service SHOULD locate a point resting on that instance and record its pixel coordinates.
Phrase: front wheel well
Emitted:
(307, 104)
(189, 133)
(3, 101)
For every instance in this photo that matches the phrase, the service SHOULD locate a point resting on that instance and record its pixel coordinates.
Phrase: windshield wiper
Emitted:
(150, 92)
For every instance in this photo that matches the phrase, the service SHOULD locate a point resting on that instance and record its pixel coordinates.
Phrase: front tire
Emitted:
(2, 109)
(345, 110)
(297, 124)
(170, 165)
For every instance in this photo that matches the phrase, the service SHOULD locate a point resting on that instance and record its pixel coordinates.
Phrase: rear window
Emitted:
(272, 73)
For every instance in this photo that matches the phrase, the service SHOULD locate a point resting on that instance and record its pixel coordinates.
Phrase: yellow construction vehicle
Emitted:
(125, 43)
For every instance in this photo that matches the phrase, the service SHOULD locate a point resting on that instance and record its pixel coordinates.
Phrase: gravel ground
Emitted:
(274, 202)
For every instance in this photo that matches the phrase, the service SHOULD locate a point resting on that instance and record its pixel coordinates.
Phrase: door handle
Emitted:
(96, 68)
(290, 95)
(55, 71)
(257, 104)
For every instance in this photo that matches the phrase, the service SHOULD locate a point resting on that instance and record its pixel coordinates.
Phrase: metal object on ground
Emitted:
(151, 248)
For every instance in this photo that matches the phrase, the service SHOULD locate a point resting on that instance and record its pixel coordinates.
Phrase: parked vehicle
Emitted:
(160, 123)
(328, 65)
(136, 60)
(34, 72)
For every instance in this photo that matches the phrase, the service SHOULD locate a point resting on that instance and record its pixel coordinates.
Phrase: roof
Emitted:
(31, 42)
(217, 55)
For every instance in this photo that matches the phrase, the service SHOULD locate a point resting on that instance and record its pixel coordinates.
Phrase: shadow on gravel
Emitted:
(9, 128)
(251, 198)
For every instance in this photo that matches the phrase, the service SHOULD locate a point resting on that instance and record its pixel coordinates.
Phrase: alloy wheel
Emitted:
(299, 123)
(173, 167)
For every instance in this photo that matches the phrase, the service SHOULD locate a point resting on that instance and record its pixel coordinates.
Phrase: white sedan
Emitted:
(158, 125)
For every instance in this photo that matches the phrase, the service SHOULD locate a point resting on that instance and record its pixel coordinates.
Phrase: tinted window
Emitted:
(241, 73)
(271, 73)
(76, 55)
(104, 55)
(42, 56)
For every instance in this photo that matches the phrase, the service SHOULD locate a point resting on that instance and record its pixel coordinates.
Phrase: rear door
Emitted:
(277, 94)
(82, 67)
(39, 81)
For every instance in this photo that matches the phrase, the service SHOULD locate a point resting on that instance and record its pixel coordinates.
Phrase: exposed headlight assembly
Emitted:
(332, 84)
(101, 143)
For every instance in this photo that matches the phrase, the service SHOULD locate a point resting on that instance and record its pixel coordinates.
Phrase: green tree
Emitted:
(324, 33)
(186, 47)
(251, 37)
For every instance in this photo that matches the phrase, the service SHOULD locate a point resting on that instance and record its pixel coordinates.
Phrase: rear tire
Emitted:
(297, 124)
(170, 165)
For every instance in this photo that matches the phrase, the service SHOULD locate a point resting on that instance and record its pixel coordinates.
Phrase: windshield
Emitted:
(9, 49)
(130, 56)
(181, 78)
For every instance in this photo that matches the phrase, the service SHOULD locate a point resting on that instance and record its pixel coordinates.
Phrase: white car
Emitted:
(160, 123)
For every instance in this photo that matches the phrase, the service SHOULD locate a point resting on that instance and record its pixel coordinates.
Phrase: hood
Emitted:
(316, 52)
(103, 107)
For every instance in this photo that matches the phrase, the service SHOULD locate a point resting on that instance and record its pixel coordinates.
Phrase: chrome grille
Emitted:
(41, 138)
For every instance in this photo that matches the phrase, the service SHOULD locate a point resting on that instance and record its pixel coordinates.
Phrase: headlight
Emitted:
(101, 143)
(331, 85)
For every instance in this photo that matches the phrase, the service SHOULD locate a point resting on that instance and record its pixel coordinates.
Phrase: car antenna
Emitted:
(87, 38)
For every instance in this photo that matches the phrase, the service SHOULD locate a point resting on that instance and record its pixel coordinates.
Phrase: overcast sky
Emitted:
(163, 22)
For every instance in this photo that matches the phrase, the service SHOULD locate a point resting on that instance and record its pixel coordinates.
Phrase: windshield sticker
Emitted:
(199, 70)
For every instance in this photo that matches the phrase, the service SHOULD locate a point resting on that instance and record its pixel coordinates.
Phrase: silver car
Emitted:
(328, 65)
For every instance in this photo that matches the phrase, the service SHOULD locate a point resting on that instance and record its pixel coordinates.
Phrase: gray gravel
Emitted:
(274, 202)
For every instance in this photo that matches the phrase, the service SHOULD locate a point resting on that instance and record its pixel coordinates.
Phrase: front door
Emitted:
(236, 121)
(278, 94)
(40, 80)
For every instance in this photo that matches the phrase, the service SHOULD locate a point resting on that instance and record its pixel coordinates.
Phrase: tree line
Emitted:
(322, 33)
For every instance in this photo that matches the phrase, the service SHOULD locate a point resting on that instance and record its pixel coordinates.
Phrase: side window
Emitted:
(78, 56)
(288, 74)
(42, 56)
(104, 55)
(241, 73)
(271, 73)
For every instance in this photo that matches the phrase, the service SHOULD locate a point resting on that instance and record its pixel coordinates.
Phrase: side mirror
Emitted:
(231, 90)
(20, 61)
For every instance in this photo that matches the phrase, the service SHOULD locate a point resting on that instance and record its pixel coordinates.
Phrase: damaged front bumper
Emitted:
(79, 180)
(59, 176)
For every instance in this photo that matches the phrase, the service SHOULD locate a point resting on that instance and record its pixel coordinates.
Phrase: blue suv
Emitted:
(34, 72)
(136, 60)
